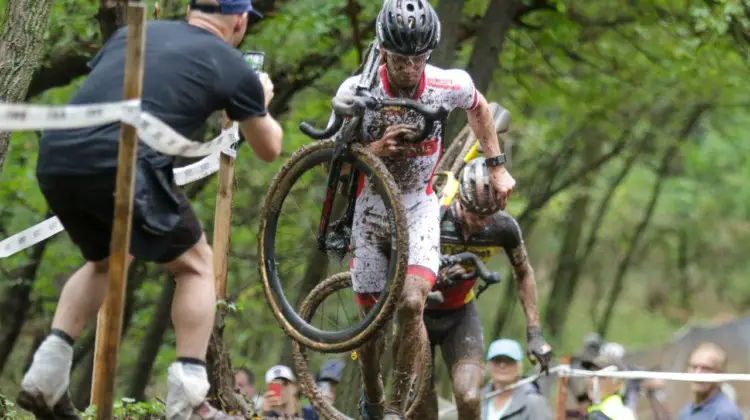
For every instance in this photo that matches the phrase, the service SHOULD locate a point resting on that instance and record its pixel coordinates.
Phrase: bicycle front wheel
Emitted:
(286, 284)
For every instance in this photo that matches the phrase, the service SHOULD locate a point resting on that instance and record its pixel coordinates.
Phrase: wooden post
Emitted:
(562, 392)
(223, 221)
(110, 318)
(217, 357)
(96, 376)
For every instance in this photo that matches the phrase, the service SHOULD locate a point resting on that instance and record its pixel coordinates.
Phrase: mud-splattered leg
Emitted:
(411, 336)
(428, 407)
(372, 387)
(463, 351)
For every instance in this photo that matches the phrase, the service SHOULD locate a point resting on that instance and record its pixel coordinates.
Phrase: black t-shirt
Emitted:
(189, 73)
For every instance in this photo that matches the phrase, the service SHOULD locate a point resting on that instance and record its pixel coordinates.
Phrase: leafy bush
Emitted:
(124, 409)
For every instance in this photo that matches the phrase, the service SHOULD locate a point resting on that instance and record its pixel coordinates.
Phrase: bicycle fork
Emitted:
(334, 177)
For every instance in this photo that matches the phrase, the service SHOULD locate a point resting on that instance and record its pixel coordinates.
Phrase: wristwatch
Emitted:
(496, 160)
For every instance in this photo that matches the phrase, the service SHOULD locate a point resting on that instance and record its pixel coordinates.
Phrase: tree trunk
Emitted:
(15, 307)
(111, 16)
(624, 264)
(486, 54)
(451, 12)
(682, 269)
(152, 342)
(663, 173)
(219, 366)
(565, 279)
(505, 309)
(21, 48)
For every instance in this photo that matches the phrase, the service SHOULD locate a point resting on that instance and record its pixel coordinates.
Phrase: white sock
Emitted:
(188, 386)
(49, 374)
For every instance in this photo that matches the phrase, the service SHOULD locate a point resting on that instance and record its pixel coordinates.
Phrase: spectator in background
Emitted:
(244, 384)
(505, 365)
(583, 359)
(709, 402)
(605, 393)
(281, 399)
(652, 389)
(327, 379)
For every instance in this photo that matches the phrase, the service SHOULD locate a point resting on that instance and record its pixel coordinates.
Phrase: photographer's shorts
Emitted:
(164, 224)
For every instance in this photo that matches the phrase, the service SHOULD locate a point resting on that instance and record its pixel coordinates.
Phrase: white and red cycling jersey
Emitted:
(412, 170)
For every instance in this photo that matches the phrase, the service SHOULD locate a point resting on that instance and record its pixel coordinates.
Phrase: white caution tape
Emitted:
(198, 170)
(30, 237)
(152, 131)
(52, 226)
(15, 117)
(565, 370)
(499, 391)
(671, 376)
(162, 138)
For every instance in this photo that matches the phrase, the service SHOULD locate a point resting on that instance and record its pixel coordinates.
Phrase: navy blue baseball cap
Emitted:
(227, 7)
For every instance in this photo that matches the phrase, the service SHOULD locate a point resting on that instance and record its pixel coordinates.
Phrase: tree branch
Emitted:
(61, 69)
(663, 173)
(352, 11)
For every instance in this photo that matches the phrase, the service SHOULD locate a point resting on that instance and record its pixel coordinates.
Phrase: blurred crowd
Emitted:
(604, 398)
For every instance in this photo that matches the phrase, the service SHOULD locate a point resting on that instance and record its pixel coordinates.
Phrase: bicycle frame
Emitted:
(348, 134)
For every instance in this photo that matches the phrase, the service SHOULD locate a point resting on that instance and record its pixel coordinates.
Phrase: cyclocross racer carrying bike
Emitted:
(475, 224)
(407, 32)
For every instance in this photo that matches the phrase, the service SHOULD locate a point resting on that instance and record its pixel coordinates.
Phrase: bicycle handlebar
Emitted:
(480, 271)
(355, 105)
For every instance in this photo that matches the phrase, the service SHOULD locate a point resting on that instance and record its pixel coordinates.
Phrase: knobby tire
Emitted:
(307, 381)
(294, 326)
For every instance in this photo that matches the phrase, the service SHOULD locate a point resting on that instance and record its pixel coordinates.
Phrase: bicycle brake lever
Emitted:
(481, 289)
(493, 278)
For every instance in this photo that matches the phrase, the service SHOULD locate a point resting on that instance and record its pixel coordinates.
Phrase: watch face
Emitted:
(494, 161)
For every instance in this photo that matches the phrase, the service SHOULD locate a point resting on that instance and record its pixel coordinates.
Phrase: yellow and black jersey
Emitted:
(502, 232)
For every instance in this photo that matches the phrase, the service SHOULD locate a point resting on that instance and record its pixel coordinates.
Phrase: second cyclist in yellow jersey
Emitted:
(475, 224)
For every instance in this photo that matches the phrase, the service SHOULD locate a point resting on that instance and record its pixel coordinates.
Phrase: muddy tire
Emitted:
(307, 380)
(299, 329)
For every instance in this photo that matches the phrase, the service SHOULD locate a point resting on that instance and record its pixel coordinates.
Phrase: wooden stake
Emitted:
(562, 392)
(110, 319)
(223, 221)
(96, 376)
(217, 358)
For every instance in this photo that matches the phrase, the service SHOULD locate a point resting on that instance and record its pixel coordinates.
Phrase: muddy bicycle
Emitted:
(316, 309)
(339, 163)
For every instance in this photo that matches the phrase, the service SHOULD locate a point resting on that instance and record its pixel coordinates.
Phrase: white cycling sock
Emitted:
(188, 387)
(49, 374)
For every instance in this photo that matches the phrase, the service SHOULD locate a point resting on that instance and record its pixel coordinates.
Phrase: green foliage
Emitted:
(124, 409)
(581, 79)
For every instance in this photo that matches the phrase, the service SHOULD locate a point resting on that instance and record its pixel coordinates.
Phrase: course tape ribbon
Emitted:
(155, 133)
(152, 131)
(17, 117)
(566, 370)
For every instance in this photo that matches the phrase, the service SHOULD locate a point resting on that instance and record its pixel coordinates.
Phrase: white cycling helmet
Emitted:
(475, 190)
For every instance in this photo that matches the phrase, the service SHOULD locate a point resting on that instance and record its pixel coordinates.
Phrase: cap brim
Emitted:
(502, 353)
(255, 13)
